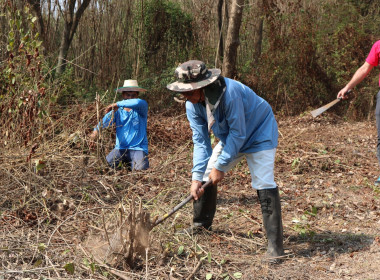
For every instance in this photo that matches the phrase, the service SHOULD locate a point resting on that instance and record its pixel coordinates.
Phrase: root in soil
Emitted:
(123, 242)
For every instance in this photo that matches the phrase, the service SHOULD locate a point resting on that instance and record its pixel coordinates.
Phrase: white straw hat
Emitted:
(130, 85)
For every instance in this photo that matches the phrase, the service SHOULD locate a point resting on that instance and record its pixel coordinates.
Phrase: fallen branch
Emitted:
(195, 269)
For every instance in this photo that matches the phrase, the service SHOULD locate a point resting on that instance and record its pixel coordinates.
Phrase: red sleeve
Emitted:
(373, 56)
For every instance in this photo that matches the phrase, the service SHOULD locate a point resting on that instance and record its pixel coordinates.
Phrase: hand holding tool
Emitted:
(179, 206)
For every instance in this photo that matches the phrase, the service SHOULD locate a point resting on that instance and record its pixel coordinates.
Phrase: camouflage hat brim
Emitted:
(189, 86)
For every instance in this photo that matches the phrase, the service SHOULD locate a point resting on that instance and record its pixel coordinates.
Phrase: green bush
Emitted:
(23, 95)
(167, 35)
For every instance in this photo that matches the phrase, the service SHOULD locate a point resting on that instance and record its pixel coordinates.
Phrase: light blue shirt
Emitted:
(130, 126)
(244, 122)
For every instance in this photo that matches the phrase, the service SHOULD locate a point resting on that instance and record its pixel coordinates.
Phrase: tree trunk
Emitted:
(36, 7)
(232, 41)
(70, 26)
(219, 52)
(258, 31)
(63, 49)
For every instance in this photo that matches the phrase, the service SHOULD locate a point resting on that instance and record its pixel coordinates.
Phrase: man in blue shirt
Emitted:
(246, 127)
(130, 118)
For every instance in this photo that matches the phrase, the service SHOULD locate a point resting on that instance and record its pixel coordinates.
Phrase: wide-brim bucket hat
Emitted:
(130, 85)
(192, 75)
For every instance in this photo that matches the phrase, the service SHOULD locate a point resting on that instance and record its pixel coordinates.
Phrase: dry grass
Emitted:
(325, 169)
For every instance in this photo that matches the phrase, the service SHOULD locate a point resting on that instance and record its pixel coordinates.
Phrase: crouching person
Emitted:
(130, 118)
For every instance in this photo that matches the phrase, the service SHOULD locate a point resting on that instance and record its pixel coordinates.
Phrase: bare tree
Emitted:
(71, 21)
(258, 31)
(220, 31)
(232, 40)
(36, 7)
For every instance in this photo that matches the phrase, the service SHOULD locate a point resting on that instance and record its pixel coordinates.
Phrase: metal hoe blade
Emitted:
(320, 110)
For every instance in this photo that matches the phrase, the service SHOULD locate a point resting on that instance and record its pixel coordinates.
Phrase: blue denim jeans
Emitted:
(135, 159)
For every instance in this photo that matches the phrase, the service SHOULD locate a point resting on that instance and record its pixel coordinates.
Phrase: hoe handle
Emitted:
(179, 206)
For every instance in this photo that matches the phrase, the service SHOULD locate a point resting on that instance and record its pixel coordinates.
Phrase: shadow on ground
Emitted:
(329, 244)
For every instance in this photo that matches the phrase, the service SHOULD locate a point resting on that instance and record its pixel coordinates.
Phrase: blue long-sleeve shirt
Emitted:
(130, 126)
(244, 122)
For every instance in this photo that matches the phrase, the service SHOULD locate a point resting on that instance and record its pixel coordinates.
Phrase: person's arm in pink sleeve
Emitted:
(359, 75)
(371, 61)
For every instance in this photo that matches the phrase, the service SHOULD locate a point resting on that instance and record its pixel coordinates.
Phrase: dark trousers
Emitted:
(135, 159)
(377, 114)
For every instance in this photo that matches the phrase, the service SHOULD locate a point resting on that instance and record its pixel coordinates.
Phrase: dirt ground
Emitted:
(325, 168)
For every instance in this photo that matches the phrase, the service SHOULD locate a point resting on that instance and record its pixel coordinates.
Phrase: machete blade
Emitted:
(320, 110)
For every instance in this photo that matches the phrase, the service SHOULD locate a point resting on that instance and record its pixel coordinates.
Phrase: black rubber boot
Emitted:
(204, 208)
(272, 220)
(203, 211)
